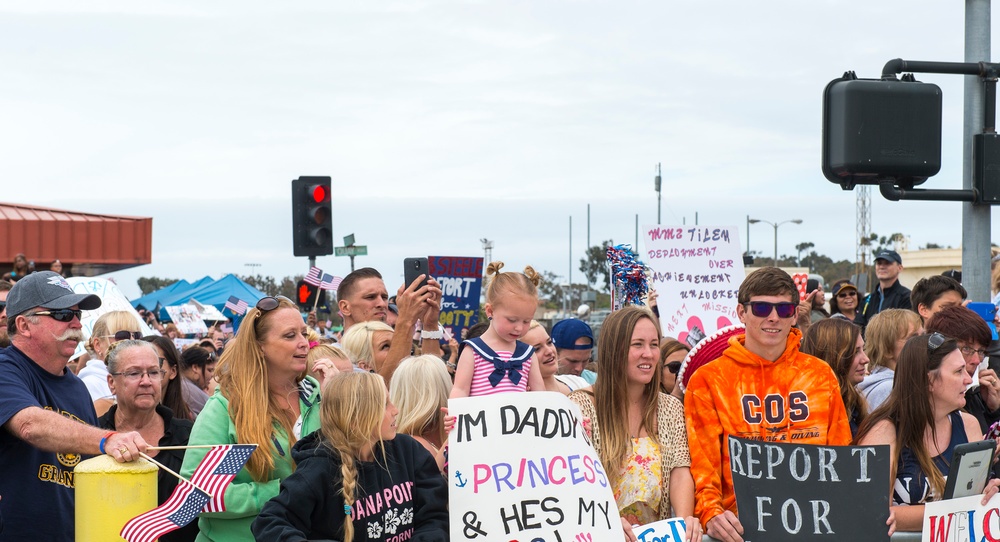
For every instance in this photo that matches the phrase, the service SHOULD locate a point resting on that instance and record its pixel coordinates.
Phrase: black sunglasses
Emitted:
(3, 305)
(935, 341)
(674, 367)
(125, 335)
(762, 309)
(59, 315)
(270, 302)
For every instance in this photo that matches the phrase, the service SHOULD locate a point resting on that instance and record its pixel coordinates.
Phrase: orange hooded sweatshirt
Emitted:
(793, 399)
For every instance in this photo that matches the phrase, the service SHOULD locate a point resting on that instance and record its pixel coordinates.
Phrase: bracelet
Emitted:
(105, 439)
(436, 334)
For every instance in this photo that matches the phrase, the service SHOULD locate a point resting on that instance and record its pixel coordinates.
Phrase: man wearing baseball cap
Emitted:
(889, 294)
(574, 342)
(46, 412)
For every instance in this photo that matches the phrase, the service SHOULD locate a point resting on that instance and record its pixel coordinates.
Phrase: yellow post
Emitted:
(109, 493)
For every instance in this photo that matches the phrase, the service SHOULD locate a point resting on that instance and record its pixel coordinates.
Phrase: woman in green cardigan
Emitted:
(264, 399)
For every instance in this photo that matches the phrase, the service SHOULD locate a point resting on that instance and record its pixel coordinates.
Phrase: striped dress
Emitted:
(498, 372)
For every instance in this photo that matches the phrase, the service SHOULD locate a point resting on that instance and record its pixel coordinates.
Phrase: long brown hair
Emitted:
(908, 407)
(835, 341)
(611, 392)
(350, 416)
(242, 375)
(172, 398)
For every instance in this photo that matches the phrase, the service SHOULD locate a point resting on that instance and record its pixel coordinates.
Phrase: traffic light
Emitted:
(312, 233)
(305, 296)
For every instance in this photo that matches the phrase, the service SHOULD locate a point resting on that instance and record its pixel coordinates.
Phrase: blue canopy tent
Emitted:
(150, 300)
(215, 293)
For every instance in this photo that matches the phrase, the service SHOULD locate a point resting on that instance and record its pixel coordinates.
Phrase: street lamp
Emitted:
(775, 225)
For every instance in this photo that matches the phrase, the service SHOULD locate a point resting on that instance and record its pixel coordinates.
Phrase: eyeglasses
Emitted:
(59, 315)
(124, 335)
(674, 367)
(935, 341)
(852, 293)
(968, 351)
(762, 309)
(135, 376)
(270, 302)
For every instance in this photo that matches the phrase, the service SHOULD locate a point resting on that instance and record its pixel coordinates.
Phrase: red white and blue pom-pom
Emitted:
(629, 283)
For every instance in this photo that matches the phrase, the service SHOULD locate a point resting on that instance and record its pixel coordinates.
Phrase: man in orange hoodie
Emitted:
(761, 388)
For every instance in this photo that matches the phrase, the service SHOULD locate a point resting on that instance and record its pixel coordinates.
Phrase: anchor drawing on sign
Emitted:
(461, 482)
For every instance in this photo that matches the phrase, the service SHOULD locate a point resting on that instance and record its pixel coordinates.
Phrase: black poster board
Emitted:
(802, 492)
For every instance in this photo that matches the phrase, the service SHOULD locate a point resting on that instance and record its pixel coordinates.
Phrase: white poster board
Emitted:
(667, 530)
(112, 299)
(187, 318)
(962, 520)
(697, 272)
(521, 469)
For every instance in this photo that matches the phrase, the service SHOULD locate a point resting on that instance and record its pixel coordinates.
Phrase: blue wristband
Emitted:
(103, 440)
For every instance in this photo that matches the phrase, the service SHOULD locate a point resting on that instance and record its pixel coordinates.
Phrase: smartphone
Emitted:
(413, 268)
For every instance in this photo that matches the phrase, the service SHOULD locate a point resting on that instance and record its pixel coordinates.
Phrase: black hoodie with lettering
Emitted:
(401, 496)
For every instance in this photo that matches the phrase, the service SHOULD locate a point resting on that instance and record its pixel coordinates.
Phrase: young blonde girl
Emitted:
(497, 361)
(345, 468)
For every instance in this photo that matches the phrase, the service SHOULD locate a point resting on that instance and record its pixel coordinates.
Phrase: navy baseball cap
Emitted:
(566, 332)
(889, 256)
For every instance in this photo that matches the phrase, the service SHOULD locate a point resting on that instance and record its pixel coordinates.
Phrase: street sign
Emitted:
(349, 240)
(359, 250)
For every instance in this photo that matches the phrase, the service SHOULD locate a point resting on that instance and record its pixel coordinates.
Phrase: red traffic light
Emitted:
(320, 193)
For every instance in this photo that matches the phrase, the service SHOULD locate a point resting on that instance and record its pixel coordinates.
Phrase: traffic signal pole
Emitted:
(976, 218)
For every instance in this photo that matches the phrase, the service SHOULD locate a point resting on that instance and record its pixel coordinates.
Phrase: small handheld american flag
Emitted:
(314, 276)
(236, 305)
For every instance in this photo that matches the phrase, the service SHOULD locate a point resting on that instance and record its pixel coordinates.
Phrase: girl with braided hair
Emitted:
(357, 480)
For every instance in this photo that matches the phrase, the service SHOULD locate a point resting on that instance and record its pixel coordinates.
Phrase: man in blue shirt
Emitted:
(47, 415)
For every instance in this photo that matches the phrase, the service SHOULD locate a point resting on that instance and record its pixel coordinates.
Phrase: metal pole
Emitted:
(570, 279)
(975, 218)
(637, 233)
(775, 244)
(748, 235)
(659, 181)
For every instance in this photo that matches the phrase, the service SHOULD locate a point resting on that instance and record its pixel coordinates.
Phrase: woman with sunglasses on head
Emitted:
(136, 376)
(922, 422)
(110, 327)
(672, 353)
(637, 430)
(172, 388)
(263, 398)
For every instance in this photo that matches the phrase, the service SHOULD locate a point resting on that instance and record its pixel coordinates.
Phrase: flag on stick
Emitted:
(236, 305)
(314, 276)
(330, 282)
(180, 509)
(218, 469)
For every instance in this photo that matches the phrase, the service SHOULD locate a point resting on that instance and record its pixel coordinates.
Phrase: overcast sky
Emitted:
(444, 122)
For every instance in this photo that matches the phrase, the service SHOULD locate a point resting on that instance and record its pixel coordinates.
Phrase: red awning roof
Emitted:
(100, 243)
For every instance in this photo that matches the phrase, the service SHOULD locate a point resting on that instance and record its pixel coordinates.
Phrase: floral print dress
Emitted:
(639, 492)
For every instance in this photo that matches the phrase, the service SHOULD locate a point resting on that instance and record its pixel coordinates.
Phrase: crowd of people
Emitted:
(337, 422)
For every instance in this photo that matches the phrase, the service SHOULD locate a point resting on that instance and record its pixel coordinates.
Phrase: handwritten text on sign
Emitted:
(795, 492)
(461, 280)
(526, 473)
(697, 272)
(962, 520)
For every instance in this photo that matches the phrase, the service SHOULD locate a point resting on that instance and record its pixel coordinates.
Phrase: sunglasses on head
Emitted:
(270, 302)
(935, 341)
(674, 367)
(59, 315)
(125, 335)
(762, 309)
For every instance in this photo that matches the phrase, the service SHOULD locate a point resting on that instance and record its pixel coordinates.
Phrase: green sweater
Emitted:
(244, 497)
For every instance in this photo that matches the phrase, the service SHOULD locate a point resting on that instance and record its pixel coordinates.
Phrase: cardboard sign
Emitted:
(962, 520)
(796, 492)
(112, 299)
(187, 318)
(522, 470)
(667, 530)
(697, 272)
(461, 280)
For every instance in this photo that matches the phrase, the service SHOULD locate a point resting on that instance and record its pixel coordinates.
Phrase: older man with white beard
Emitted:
(46, 412)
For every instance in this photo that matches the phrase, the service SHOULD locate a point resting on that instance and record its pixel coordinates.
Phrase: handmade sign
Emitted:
(962, 520)
(667, 530)
(799, 492)
(187, 318)
(461, 280)
(521, 469)
(697, 272)
(112, 299)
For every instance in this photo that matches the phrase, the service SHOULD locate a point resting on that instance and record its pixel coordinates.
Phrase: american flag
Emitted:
(218, 469)
(180, 509)
(314, 276)
(330, 282)
(236, 305)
